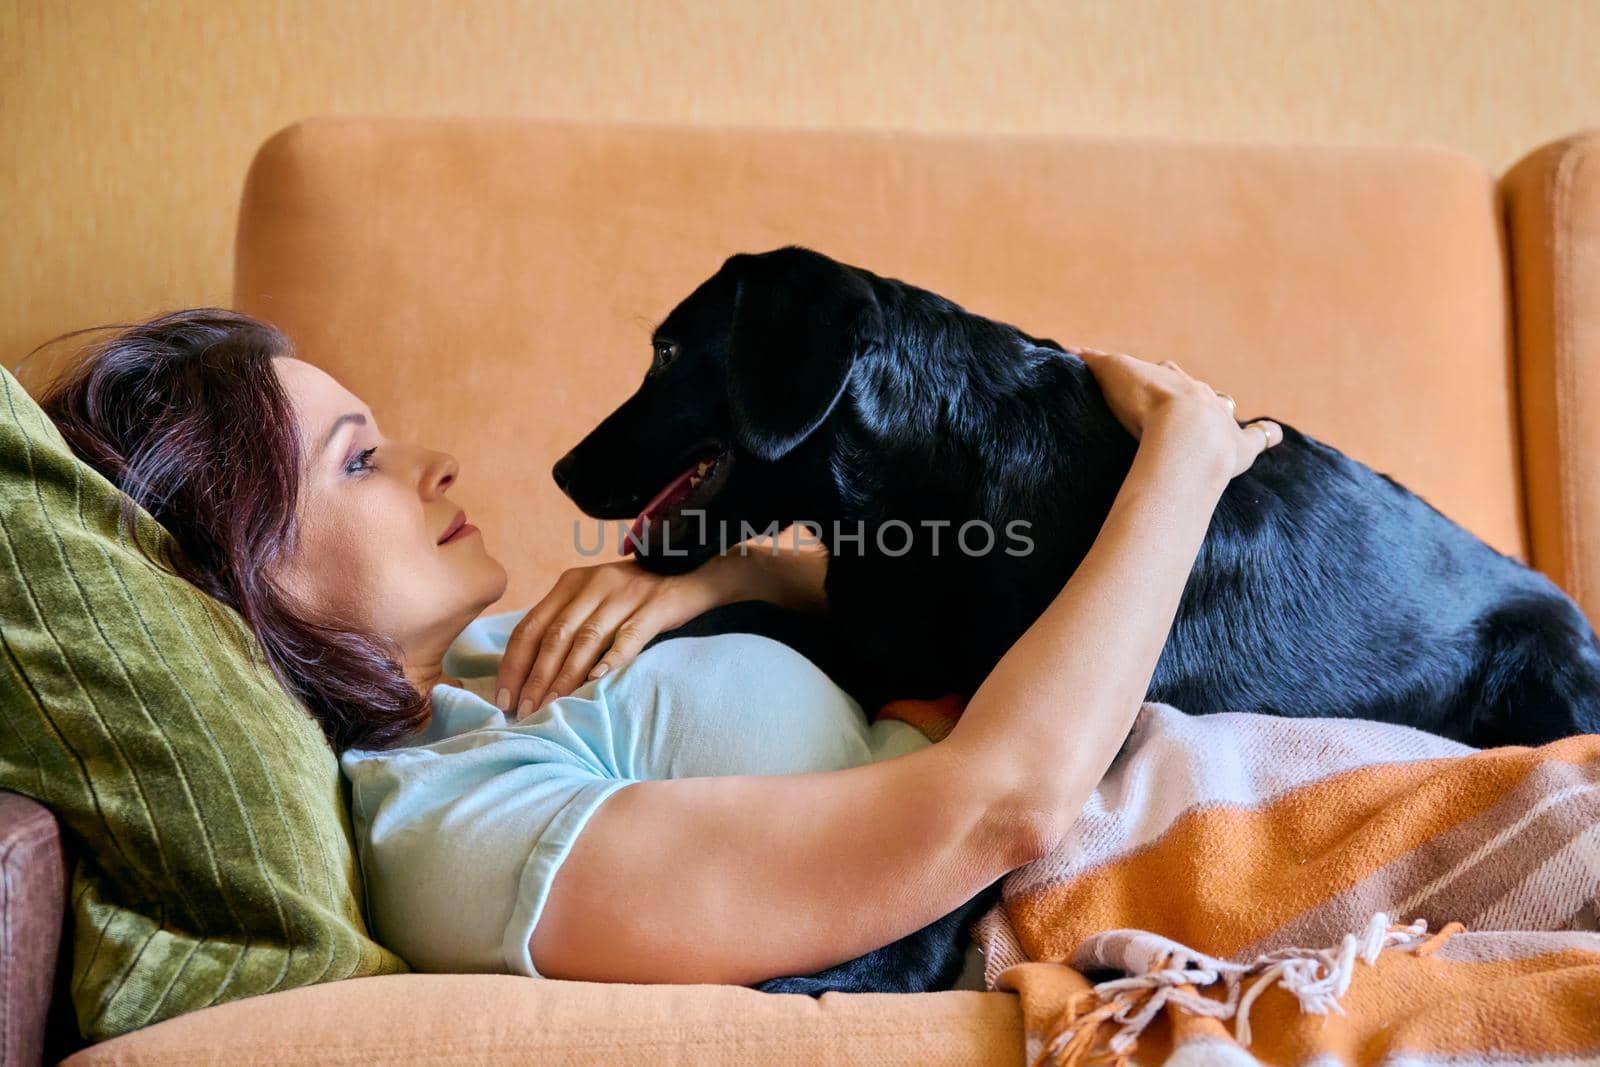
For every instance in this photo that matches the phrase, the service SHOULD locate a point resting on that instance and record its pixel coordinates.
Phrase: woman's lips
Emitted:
(459, 527)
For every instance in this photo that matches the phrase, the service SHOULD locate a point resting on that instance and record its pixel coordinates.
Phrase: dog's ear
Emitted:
(800, 322)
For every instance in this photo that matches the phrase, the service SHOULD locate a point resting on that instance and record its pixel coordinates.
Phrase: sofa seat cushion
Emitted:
(483, 1018)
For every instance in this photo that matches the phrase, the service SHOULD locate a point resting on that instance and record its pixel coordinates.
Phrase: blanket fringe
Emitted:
(1316, 977)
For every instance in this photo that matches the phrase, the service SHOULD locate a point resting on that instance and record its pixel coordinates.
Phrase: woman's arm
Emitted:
(739, 879)
(1058, 705)
(792, 576)
(1095, 648)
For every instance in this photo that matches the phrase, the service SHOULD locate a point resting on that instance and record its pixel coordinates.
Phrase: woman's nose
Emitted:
(440, 474)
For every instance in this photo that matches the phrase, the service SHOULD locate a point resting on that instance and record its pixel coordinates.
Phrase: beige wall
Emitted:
(125, 128)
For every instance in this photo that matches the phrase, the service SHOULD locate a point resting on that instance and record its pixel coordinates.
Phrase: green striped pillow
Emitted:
(213, 847)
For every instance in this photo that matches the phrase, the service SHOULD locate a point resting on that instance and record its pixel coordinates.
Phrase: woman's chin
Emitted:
(497, 579)
(480, 577)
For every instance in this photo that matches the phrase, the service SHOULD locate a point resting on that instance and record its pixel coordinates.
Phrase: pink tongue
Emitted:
(677, 487)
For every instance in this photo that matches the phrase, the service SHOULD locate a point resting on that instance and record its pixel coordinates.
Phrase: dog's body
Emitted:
(843, 398)
(824, 393)
(1322, 588)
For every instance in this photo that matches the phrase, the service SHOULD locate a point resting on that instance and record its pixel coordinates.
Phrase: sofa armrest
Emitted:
(1552, 201)
(33, 882)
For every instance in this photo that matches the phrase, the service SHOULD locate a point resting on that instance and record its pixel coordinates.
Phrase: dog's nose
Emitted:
(562, 472)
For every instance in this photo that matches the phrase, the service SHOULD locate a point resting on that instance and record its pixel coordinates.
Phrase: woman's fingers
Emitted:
(540, 642)
(1140, 393)
(596, 635)
(620, 628)
(577, 630)
(610, 610)
(630, 639)
(523, 645)
(1255, 438)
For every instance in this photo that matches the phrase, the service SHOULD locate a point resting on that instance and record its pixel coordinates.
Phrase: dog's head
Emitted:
(743, 377)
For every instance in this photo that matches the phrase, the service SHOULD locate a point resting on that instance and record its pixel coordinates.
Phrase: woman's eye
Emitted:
(361, 461)
(666, 352)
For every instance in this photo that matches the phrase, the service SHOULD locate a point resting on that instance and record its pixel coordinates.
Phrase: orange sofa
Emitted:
(489, 287)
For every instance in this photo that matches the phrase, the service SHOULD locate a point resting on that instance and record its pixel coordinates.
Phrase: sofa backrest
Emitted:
(489, 287)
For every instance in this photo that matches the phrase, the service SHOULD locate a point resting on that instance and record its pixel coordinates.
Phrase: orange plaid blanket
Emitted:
(1246, 889)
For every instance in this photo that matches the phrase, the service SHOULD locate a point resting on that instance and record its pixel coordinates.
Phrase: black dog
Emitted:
(792, 387)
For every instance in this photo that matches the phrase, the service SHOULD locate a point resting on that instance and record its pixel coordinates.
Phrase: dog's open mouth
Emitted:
(692, 489)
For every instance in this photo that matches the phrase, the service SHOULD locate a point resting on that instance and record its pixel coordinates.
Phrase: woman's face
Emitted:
(372, 553)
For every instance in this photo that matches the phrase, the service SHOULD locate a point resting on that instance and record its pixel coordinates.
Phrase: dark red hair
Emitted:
(186, 415)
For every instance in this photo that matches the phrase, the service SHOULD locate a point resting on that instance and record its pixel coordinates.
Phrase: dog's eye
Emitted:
(666, 352)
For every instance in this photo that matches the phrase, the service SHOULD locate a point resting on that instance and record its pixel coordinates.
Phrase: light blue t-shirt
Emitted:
(461, 830)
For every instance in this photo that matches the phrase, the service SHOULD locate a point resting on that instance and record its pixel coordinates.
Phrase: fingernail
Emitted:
(502, 699)
(548, 697)
(600, 668)
(525, 708)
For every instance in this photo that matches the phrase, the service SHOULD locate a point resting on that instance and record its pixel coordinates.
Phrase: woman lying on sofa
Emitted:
(541, 798)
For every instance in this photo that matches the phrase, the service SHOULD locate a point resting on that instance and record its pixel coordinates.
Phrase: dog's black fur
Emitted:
(834, 395)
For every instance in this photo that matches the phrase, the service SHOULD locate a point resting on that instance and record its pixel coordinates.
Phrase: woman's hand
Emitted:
(1150, 397)
(597, 618)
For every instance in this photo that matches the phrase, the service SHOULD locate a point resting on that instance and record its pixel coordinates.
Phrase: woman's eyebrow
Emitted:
(358, 419)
